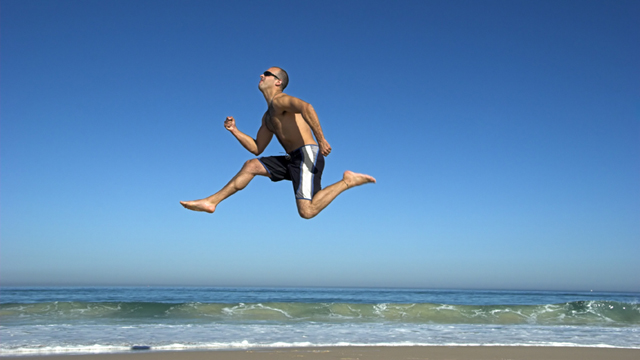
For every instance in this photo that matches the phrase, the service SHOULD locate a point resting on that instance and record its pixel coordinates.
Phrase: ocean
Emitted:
(83, 320)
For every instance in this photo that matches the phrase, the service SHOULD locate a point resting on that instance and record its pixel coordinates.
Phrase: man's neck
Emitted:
(270, 94)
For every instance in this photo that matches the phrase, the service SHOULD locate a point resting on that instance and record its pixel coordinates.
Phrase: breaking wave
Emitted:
(588, 313)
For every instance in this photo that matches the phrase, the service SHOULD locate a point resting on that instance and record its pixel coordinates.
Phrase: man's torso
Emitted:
(290, 128)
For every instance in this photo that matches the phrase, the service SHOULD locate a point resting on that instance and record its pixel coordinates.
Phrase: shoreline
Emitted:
(363, 353)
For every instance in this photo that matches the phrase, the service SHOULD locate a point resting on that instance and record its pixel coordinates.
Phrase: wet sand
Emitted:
(373, 353)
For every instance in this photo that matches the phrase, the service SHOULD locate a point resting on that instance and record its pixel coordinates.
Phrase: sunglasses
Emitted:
(269, 73)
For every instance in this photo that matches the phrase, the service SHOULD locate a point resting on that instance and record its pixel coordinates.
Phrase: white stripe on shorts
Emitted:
(305, 190)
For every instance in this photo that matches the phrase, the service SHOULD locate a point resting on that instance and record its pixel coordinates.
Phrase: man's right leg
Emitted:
(250, 169)
(310, 208)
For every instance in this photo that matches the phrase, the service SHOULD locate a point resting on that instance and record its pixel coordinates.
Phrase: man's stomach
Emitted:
(290, 146)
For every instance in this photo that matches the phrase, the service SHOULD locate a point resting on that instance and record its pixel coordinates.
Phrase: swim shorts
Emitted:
(302, 166)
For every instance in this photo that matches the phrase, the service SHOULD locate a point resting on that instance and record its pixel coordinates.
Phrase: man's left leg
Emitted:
(250, 169)
(310, 208)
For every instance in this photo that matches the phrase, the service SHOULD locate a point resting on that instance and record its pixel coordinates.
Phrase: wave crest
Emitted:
(600, 313)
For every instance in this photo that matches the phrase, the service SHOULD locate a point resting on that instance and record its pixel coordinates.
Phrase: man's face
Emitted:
(268, 78)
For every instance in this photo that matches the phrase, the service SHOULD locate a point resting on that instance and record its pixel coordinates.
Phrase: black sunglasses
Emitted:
(269, 73)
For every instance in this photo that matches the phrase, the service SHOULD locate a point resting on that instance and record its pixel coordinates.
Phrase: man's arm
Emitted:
(295, 105)
(255, 146)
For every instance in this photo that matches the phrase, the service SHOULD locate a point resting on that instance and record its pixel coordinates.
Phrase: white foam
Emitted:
(77, 339)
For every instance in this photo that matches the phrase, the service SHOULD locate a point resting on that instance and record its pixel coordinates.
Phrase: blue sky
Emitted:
(504, 135)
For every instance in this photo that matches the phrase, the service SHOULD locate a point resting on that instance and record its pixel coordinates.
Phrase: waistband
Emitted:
(300, 148)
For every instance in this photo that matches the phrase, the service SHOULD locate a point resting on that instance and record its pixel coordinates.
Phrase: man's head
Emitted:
(275, 76)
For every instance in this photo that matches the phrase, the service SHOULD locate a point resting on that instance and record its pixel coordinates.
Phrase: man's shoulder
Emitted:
(282, 97)
(286, 101)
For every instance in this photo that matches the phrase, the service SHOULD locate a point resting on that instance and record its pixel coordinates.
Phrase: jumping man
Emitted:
(294, 122)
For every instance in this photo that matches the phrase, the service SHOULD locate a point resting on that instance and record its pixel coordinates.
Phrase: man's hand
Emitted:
(325, 148)
(230, 123)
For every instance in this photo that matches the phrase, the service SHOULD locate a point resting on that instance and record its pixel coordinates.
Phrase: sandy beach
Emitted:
(375, 353)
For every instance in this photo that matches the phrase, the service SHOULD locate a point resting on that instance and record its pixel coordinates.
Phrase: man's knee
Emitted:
(305, 210)
(254, 166)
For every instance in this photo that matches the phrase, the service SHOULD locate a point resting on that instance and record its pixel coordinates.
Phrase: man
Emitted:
(294, 122)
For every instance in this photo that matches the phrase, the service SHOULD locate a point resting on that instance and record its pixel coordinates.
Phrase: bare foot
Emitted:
(354, 179)
(199, 205)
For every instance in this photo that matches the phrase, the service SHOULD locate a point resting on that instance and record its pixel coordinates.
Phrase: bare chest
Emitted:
(279, 122)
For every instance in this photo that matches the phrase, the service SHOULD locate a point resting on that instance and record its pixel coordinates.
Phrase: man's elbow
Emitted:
(257, 151)
(308, 109)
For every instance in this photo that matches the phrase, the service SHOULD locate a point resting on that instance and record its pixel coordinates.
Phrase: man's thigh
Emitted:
(255, 167)
(274, 167)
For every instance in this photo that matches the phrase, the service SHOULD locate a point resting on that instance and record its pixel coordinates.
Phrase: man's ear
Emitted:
(278, 82)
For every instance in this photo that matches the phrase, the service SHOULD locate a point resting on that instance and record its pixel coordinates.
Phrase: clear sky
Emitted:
(504, 135)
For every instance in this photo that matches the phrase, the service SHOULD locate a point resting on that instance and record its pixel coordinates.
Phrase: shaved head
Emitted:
(283, 76)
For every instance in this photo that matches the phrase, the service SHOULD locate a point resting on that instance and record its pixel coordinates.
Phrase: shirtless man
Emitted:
(294, 122)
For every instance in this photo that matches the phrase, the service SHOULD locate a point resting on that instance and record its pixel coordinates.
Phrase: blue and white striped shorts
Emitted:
(302, 166)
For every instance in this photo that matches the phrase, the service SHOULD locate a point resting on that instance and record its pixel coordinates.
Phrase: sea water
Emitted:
(35, 321)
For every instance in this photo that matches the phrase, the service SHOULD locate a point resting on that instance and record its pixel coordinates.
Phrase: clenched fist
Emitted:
(230, 123)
